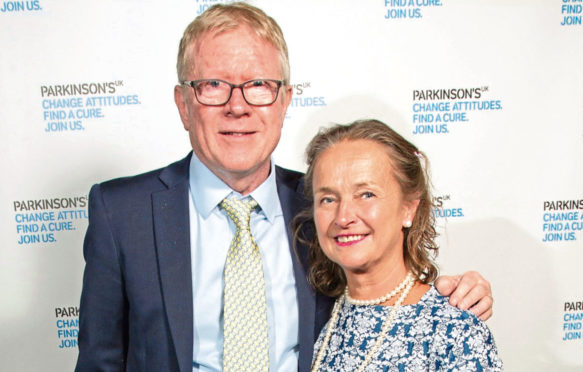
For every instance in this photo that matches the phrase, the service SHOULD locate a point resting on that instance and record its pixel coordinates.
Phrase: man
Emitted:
(154, 288)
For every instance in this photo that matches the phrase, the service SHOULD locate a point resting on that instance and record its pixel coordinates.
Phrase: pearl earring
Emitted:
(407, 224)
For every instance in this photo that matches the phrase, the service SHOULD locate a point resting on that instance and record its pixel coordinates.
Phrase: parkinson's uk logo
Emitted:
(20, 6)
(562, 220)
(440, 111)
(202, 5)
(67, 326)
(445, 208)
(304, 96)
(408, 9)
(42, 221)
(70, 107)
(572, 320)
(572, 12)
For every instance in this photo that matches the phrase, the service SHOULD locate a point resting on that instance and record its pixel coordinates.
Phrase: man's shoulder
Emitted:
(291, 178)
(157, 179)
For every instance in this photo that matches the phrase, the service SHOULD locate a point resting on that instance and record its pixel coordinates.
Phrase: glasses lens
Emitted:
(261, 92)
(257, 92)
(212, 92)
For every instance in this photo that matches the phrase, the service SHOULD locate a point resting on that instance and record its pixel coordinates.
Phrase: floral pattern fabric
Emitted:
(428, 336)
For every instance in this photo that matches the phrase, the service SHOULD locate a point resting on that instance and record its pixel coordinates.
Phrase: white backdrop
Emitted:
(491, 90)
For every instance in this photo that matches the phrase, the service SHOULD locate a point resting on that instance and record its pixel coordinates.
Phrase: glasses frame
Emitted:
(193, 83)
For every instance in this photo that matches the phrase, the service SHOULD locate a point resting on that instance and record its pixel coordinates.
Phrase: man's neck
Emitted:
(245, 182)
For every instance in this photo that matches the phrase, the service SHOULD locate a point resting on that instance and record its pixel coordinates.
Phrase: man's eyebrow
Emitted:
(324, 189)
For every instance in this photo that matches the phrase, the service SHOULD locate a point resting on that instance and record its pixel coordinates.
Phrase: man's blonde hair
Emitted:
(224, 17)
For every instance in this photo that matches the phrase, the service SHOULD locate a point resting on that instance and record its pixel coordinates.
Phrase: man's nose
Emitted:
(237, 105)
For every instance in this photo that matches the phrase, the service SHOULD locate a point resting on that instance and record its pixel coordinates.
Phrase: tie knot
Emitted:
(239, 210)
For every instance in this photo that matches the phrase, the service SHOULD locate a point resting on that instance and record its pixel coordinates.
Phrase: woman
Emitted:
(373, 249)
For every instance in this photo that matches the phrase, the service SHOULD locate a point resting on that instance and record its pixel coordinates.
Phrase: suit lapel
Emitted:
(172, 236)
(292, 202)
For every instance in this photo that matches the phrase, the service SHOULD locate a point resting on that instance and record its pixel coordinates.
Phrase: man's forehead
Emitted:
(242, 32)
(232, 48)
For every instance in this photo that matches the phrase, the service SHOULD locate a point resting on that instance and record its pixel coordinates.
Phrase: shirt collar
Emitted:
(207, 191)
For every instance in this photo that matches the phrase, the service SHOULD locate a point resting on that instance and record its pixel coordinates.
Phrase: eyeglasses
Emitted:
(215, 92)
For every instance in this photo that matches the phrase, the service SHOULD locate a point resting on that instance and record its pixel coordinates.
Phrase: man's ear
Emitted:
(286, 97)
(180, 97)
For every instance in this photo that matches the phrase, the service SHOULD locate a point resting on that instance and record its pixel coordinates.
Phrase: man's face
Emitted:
(235, 140)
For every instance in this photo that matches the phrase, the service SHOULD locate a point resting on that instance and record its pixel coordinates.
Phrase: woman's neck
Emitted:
(368, 286)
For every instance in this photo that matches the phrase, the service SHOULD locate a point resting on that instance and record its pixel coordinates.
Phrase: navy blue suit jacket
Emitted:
(136, 304)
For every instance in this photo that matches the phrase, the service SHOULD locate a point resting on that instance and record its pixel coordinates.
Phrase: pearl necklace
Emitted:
(408, 284)
(379, 300)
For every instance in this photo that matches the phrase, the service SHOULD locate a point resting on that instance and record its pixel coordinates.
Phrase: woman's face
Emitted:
(359, 209)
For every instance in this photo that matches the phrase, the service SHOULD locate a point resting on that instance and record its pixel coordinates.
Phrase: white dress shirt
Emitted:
(211, 232)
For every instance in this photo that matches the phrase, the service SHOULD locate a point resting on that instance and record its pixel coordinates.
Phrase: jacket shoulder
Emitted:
(151, 181)
(291, 178)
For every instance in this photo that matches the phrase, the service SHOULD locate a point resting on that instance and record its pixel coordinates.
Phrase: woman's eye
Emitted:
(367, 195)
(326, 200)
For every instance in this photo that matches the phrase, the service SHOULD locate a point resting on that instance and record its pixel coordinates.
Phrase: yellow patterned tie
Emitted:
(246, 344)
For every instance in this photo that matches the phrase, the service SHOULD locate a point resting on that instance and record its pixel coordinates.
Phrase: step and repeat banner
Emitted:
(491, 90)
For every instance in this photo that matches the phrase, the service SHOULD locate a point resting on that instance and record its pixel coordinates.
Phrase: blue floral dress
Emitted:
(428, 336)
